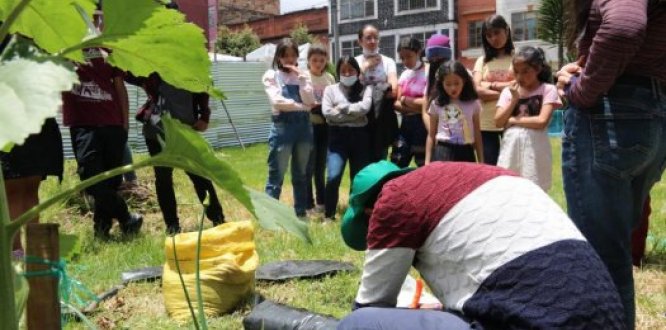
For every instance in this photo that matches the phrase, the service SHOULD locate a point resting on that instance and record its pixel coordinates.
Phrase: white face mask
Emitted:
(348, 80)
(416, 65)
(367, 52)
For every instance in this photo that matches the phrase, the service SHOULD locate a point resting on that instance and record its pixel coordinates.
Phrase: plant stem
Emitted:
(8, 311)
(202, 315)
(182, 282)
(16, 12)
(33, 212)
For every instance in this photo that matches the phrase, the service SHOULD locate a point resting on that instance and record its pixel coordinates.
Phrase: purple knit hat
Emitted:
(438, 45)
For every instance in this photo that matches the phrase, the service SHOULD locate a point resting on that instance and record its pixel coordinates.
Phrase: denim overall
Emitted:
(290, 137)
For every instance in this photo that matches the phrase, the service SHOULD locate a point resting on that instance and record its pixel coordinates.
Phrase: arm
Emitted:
(483, 88)
(306, 90)
(622, 32)
(535, 122)
(203, 111)
(393, 81)
(275, 97)
(384, 271)
(123, 99)
(432, 137)
(507, 102)
(362, 107)
(478, 140)
(328, 108)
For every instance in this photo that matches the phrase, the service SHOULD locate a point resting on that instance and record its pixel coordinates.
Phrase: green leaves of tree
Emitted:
(54, 25)
(146, 37)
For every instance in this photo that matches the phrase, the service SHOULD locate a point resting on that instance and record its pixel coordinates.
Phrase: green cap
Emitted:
(366, 186)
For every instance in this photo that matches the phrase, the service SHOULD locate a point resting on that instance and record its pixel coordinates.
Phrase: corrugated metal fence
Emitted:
(246, 101)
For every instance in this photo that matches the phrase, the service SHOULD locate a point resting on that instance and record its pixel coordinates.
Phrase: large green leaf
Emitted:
(30, 92)
(146, 37)
(54, 25)
(273, 215)
(187, 149)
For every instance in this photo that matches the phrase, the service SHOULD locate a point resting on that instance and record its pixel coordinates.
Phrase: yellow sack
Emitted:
(226, 270)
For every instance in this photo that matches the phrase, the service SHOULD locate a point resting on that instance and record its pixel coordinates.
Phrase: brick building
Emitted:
(471, 14)
(273, 28)
(241, 11)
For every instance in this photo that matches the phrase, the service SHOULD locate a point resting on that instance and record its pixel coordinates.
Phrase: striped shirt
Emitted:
(622, 36)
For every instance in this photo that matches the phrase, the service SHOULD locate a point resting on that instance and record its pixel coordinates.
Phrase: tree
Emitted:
(301, 35)
(237, 43)
(551, 27)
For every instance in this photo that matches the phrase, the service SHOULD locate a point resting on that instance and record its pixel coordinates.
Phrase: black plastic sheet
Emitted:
(273, 316)
(284, 270)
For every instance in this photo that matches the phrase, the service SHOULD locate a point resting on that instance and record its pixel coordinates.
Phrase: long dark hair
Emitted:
(431, 93)
(468, 92)
(578, 12)
(356, 90)
(281, 50)
(536, 58)
(495, 22)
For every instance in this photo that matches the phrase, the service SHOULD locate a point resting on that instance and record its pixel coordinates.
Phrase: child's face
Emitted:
(289, 57)
(497, 37)
(408, 58)
(526, 75)
(347, 70)
(453, 85)
(317, 63)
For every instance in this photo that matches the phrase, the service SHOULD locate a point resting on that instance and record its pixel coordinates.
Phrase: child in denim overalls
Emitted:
(290, 94)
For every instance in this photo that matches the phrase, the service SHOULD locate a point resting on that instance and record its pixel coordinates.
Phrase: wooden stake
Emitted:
(43, 310)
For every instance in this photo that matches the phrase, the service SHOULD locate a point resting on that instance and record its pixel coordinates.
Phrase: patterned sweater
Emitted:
(489, 244)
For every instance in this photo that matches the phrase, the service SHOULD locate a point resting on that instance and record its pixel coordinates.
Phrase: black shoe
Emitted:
(172, 230)
(132, 225)
(101, 229)
(215, 215)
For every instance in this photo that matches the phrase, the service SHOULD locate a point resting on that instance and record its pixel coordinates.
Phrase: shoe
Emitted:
(173, 230)
(132, 225)
(101, 229)
(215, 215)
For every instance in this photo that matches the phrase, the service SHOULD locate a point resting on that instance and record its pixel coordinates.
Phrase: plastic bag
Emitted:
(288, 269)
(227, 264)
(273, 316)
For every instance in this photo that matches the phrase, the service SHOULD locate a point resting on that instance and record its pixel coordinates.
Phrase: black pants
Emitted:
(99, 149)
(166, 196)
(316, 170)
(491, 146)
(454, 152)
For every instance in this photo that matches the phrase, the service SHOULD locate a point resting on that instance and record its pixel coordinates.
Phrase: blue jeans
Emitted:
(290, 137)
(317, 166)
(344, 143)
(399, 318)
(612, 154)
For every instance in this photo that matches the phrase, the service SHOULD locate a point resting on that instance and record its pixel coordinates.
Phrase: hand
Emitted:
(200, 126)
(567, 72)
(292, 68)
(512, 121)
(513, 88)
(343, 109)
(371, 61)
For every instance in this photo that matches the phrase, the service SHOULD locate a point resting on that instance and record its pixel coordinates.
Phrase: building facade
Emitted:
(393, 18)
(273, 28)
(471, 15)
(522, 16)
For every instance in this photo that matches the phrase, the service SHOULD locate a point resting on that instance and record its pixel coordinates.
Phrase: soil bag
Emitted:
(227, 264)
(283, 270)
(273, 316)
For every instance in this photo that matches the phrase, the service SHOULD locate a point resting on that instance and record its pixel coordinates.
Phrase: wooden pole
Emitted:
(43, 310)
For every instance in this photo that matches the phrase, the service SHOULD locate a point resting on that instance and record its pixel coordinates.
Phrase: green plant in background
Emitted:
(143, 37)
(237, 43)
(551, 26)
(301, 35)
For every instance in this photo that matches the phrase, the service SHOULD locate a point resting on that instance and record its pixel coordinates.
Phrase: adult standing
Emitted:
(614, 142)
(379, 71)
(492, 73)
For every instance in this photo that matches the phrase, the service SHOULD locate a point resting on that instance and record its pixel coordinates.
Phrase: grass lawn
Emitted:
(140, 306)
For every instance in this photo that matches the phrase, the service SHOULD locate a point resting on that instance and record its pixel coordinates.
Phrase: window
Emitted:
(409, 5)
(474, 35)
(350, 48)
(524, 25)
(421, 36)
(353, 9)
(387, 46)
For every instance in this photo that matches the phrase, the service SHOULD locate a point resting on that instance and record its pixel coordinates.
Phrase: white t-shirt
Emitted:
(379, 73)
